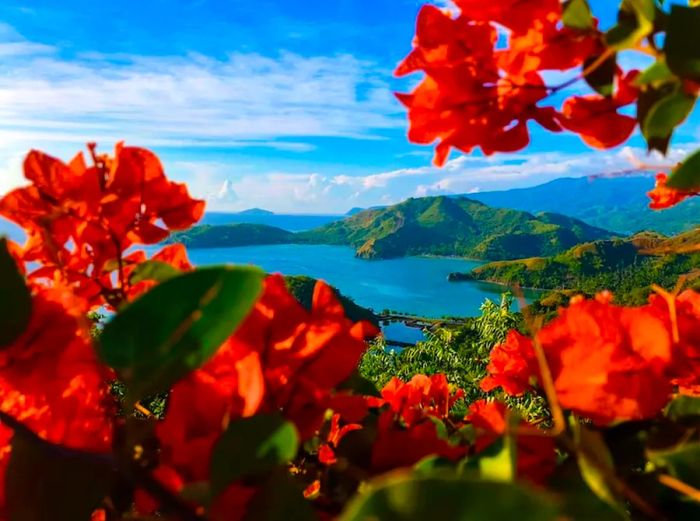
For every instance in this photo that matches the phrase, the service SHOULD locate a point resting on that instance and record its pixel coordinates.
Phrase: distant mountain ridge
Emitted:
(230, 235)
(453, 227)
(255, 211)
(619, 204)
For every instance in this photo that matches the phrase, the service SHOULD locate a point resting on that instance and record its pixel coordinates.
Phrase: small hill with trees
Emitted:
(454, 227)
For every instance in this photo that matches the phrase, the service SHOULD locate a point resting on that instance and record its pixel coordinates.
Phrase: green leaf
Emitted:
(682, 462)
(177, 326)
(407, 498)
(498, 462)
(577, 499)
(687, 175)
(44, 485)
(279, 499)
(596, 463)
(683, 406)
(602, 78)
(158, 271)
(635, 20)
(664, 116)
(577, 15)
(15, 299)
(681, 46)
(252, 447)
(431, 464)
(648, 97)
(656, 74)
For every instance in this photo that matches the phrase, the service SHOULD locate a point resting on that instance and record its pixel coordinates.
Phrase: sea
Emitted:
(415, 286)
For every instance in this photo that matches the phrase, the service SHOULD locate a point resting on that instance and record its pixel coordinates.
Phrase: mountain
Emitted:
(288, 222)
(228, 235)
(353, 211)
(628, 266)
(453, 226)
(255, 211)
(619, 204)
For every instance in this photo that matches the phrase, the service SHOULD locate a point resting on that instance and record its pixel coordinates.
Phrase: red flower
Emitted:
(536, 457)
(52, 382)
(512, 366)
(595, 118)
(399, 446)
(326, 455)
(682, 324)
(420, 397)
(609, 362)
(175, 255)
(516, 15)
(663, 196)
(79, 220)
(282, 358)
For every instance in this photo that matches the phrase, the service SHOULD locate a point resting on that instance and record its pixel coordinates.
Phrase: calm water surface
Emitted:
(414, 285)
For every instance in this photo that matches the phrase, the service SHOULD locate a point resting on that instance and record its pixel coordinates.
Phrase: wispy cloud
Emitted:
(288, 192)
(194, 100)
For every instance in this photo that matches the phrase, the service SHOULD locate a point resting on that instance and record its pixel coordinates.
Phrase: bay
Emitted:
(411, 285)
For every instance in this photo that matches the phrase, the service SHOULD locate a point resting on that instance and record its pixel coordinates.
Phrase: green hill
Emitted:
(627, 266)
(455, 227)
(228, 235)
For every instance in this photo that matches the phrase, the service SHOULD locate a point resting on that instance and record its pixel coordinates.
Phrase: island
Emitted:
(442, 226)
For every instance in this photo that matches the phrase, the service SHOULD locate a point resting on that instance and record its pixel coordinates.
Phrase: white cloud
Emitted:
(314, 192)
(240, 100)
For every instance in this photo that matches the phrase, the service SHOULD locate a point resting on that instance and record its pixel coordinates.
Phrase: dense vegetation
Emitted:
(230, 235)
(453, 226)
(618, 204)
(629, 266)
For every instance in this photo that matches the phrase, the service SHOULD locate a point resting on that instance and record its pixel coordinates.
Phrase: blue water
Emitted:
(291, 223)
(413, 285)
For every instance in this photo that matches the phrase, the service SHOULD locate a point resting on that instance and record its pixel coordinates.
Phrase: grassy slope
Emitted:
(624, 265)
(454, 226)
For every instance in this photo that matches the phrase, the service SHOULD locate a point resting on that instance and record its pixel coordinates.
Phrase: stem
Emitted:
(680, 486)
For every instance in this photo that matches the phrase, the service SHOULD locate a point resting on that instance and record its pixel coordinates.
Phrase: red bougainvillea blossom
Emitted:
(481, 87)
(406, 430)
(51, 381)
(663, 196)
(512, 365)
(535, 455)
(80, 219)
(282, 358)
(608, 362)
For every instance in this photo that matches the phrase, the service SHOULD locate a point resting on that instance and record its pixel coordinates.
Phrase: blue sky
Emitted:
(280, 104)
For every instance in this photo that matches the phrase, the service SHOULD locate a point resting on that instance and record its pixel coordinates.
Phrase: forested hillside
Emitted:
(454, 226)
(628, 266)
